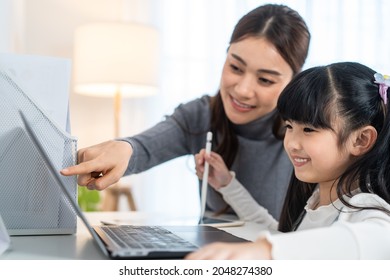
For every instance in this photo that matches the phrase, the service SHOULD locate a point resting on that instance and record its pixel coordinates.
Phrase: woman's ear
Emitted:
(363, 139)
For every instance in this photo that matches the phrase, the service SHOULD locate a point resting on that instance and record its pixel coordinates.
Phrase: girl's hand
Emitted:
(219, 175)
(261, 249)
(101, 165)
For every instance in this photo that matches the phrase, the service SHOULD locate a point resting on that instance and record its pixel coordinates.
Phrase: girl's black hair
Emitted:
(345, 92)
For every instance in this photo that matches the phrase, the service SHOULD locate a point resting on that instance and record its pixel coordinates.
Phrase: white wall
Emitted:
(49, 29)
(5, 21)
(11, 25)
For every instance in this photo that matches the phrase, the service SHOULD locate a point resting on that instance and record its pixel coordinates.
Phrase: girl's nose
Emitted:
(291, 142)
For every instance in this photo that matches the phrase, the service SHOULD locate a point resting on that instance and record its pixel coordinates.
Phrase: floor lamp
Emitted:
(117, 60)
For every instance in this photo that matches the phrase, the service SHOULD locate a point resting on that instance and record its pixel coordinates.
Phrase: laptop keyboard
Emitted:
(146, 237)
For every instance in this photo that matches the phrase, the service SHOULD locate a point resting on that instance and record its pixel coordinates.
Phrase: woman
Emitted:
(268, 47)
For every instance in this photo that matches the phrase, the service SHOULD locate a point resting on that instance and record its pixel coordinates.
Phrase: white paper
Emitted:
(45, 79)
(5, 241)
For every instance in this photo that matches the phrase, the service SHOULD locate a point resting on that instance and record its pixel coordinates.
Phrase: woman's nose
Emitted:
(245, 87)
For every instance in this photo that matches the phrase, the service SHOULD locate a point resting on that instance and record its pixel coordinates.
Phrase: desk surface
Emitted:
(80, 246)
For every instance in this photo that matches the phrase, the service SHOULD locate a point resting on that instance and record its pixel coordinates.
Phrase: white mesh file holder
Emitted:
(31, 203)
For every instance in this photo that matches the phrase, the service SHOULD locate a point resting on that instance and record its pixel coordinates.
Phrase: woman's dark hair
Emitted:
(345, 92)
(287, 31)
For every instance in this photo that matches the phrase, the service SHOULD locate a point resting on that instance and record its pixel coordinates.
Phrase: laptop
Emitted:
(138, 242)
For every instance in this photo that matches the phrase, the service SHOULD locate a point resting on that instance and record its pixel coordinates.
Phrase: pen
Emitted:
(209, 137)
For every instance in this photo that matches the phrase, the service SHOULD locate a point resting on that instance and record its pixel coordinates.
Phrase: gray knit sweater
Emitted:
(261, 164)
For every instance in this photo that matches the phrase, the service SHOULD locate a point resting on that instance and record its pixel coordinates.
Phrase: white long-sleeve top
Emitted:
(332, 231)
(246, 208)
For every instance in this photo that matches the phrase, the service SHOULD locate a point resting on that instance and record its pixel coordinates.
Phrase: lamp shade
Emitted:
(114, 57)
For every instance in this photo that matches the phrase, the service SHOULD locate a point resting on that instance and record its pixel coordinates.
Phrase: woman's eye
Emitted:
(235, 68)
(265, 81)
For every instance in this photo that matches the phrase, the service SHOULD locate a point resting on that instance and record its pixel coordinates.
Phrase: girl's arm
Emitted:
(260, 250)
(245, 206)
(355, 235)
(233, 192)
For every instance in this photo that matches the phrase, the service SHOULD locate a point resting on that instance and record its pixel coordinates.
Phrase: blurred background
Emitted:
(193, 38)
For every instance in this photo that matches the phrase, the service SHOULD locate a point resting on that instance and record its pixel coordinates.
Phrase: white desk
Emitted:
(81, 246)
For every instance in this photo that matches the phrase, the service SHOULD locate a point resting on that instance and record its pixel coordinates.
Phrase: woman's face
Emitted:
(253, 76)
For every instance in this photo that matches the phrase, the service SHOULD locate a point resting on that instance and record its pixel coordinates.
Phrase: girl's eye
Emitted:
(287, 125)
(308, 129)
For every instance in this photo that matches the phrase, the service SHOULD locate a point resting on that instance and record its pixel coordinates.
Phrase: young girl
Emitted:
(338, 139)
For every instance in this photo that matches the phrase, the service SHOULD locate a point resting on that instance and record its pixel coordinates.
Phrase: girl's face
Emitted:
(315, 154)
(253, 76)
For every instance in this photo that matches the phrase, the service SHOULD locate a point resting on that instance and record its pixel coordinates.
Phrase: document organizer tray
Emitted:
(31, 203)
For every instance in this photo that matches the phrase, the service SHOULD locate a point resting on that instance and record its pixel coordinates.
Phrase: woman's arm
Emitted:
(104, 164)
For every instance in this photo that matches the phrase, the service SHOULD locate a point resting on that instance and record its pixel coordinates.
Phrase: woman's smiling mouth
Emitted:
(241, 106)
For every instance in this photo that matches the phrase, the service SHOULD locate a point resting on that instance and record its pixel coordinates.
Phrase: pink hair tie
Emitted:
(384, 83)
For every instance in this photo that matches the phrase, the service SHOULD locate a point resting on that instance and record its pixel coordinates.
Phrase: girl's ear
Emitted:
(363, 139)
